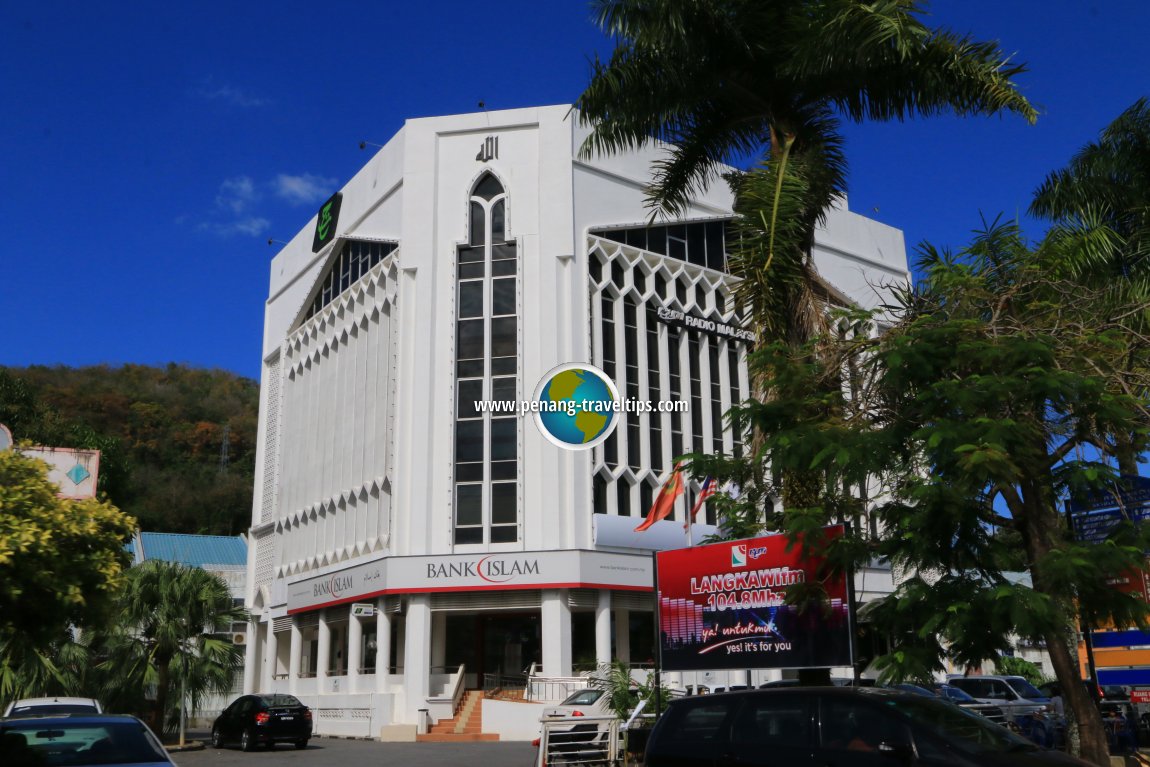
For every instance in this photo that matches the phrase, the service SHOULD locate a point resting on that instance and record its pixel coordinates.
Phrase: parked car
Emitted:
(263, 720)
(847, 727)
(961, 698)
(53, 706)
(586, 740)
(80, 739)
(1013, 694)
(585, 702)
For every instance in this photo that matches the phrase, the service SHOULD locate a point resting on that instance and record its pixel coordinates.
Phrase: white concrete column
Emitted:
(354, 651)
(603, 628)
(251, 657)
(438, 640)
(323, 652)
(556, 626)
(623, 636)
(271, 659)
(417, 656)
(382, 646)
(295, 655)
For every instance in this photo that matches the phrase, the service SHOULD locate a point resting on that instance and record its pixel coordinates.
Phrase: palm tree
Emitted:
(1106, 189)
(170, 625)
(720, 79)
(32, 671)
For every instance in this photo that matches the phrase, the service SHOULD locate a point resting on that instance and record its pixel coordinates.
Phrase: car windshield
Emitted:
(958, 724)
(583, 698)
(53, 709)
(953, 693)
(61, 742)
(914, 688)
(280, 701)
(1024, 688)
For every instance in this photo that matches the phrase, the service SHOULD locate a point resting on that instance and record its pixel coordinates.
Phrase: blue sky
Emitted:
(149, 150)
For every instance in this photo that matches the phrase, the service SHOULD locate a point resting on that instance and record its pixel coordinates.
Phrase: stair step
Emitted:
(451, 737)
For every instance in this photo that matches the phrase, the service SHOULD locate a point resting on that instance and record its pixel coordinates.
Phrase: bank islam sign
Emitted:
(724, 606)
(478, 572)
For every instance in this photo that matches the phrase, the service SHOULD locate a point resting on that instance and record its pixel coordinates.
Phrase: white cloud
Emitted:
(251, 226)
(304, 189)
(230, 94)
(236, 194)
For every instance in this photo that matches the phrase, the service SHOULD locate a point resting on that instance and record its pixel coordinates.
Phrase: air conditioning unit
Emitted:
(239, 638)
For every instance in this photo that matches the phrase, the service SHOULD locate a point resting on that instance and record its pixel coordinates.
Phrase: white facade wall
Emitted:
(354, 492)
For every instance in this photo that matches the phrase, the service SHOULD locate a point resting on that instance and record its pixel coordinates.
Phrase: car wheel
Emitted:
(247, 741)
(217, 738)
(301, 744)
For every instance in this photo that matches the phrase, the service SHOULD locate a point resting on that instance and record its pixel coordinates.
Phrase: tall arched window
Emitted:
(486, 369)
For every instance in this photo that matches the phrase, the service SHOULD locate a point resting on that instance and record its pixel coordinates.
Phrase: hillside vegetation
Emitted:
(161, 432)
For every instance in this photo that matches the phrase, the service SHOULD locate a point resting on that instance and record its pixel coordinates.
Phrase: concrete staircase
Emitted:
(466, 726)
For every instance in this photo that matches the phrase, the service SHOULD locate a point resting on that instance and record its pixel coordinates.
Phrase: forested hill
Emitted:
(161, 432)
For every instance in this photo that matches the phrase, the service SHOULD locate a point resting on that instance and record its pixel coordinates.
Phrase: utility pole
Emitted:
(225, 444)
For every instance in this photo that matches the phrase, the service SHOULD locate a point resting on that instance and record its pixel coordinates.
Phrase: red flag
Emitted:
(705, 492)
(665, 503)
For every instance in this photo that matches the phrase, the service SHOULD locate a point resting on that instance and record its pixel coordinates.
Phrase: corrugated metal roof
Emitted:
(193, 550)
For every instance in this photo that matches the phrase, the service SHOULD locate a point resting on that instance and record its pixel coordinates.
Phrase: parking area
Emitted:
(337, 752)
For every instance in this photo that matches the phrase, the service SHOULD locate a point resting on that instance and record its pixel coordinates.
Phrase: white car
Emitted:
(53, 706)
(586, 702)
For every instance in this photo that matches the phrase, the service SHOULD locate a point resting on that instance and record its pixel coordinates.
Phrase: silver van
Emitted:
(1013, 694)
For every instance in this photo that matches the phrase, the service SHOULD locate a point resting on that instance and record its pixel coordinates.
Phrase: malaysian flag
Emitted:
(706, 491)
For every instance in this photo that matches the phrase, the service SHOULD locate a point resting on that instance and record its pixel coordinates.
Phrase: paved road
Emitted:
(337, 752)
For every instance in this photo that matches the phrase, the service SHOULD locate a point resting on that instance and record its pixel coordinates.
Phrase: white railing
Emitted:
(593, 741)
(444, 706)
(552, 689)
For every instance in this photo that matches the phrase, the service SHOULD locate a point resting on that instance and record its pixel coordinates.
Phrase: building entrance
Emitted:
(493, 645)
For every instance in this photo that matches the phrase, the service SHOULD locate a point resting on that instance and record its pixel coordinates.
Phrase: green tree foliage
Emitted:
(173, 625)
(1004, 391)
(59, 667)
(1010, 665)
(999, 392)
(1106, 188)
(716, 79)
(60, 561)
(160, 432)
(624, 692)
(1111, 178)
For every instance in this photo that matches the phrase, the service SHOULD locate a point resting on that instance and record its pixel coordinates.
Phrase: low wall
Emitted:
(350, 716)
(512, 720)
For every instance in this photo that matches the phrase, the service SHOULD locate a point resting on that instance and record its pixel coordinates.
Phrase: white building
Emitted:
(470, 256)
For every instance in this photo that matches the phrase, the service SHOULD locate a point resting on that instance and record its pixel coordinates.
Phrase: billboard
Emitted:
(723, 606)
(75, 472)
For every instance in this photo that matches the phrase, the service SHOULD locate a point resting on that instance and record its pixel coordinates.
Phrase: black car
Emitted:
(79, 739)
(808, 726)
(263, 720)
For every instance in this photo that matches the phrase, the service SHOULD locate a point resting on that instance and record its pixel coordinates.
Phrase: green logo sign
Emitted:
(326, 221)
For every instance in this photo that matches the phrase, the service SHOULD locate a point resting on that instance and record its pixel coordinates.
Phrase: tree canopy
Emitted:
(718, 79)
(952, 440)
(60, 561)
(161, 432)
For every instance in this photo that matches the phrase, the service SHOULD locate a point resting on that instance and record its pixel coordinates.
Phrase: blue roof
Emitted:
(192, 550)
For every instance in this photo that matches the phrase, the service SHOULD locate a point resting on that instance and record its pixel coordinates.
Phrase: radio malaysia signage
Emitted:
(724, 606)
(690, 322)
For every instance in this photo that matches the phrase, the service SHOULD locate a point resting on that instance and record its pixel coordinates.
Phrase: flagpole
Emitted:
(658, 635)
(690, 524)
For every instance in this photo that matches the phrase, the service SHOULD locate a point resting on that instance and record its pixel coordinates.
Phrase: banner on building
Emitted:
(724, 606)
